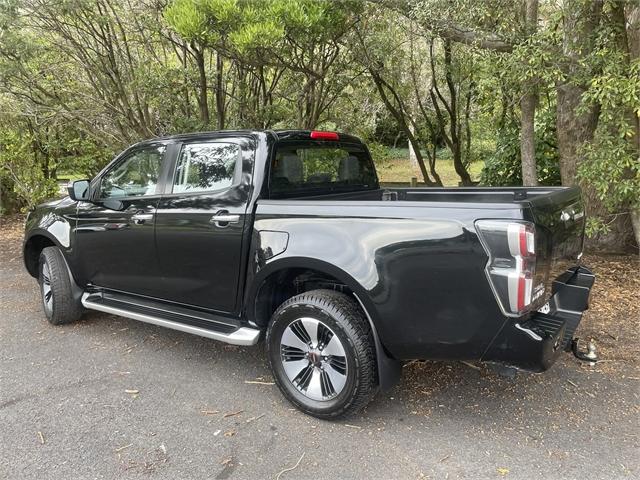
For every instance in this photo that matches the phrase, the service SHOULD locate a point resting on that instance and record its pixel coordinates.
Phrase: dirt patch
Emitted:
(613, 318)
(11, 235)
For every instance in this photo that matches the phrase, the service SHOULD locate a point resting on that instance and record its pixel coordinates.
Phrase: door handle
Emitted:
(140, 218)
(224, 218)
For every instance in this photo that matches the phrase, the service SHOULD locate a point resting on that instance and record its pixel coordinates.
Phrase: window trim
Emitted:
(123, 157)
(237, 169)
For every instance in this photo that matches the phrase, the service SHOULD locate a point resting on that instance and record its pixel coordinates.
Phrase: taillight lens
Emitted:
(318, 135)
(511, 247)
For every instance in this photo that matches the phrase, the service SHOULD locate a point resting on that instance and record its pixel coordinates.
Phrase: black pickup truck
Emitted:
(287, 235)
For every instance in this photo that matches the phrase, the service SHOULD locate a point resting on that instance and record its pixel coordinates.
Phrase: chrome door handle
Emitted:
(224, 219)
(140, 218)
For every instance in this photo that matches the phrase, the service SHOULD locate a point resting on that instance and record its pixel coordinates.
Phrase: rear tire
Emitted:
(58, 302)
(322, 354)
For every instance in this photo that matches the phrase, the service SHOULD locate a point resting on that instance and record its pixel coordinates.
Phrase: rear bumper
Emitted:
(534, 342)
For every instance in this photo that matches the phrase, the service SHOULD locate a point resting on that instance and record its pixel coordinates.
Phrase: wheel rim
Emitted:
(314, 359)
(47, 293)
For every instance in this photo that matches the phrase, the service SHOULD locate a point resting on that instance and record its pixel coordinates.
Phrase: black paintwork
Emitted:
(416, 264)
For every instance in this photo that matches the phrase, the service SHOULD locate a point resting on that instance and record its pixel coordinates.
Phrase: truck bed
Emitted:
(443, 194)
(438, 226)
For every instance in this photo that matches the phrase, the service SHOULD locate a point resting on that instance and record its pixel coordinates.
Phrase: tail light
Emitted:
(511, 247)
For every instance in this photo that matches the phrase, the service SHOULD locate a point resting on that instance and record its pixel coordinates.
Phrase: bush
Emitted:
(380, 154)
(20, 173)
(504, 167)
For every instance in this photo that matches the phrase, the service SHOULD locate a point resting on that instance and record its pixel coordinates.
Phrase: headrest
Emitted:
(289, 166)
(349, 168)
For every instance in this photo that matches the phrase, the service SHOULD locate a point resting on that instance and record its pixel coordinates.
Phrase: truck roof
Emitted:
(291, 134)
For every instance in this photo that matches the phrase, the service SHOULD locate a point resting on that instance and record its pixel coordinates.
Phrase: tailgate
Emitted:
(560, 219)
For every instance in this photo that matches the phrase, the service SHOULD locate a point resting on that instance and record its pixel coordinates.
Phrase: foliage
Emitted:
(19, 168)
(81, 79)
(503, 167)
(380, 154)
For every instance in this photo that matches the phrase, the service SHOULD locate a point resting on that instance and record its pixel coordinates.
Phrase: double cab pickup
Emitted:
(287, 236)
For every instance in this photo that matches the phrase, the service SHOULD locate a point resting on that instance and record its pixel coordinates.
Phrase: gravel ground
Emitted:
(111, 398)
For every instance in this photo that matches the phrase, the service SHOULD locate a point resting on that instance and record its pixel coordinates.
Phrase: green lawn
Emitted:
(398, 169)
(69, 176)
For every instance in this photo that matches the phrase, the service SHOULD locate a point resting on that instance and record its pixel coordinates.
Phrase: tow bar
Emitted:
(589, 356)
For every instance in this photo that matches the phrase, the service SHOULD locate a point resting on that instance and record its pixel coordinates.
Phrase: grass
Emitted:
(69, 177)
(399, 169)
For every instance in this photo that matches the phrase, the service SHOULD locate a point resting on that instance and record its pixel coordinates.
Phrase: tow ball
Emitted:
(589, 356)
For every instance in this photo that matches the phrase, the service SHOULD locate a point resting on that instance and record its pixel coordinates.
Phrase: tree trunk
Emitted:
(413, 160)
(527, 137)
(528, 108)
(631, 20)
(220, 94)
(454, 123)
(400, 118)
(203, 102)
(452, 139)
(576, 126)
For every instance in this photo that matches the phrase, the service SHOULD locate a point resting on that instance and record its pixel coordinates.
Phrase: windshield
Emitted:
(299, 170)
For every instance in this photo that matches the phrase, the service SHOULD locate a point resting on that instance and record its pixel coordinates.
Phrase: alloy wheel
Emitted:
(313, 359)
(47, 293)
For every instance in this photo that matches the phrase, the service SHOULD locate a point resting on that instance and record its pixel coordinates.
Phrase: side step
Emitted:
(195, 324)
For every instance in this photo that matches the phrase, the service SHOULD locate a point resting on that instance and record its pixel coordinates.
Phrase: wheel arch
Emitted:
(33, 246)
(275, 283)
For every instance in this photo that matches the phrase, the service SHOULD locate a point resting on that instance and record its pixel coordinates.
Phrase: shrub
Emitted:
(504, 167)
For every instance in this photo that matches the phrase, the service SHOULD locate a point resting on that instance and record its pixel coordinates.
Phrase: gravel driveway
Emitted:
(113, 398)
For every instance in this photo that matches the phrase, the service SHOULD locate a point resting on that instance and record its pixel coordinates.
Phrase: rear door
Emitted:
(201, 223)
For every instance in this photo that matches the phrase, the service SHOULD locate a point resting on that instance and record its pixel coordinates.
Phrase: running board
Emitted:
(231, 335)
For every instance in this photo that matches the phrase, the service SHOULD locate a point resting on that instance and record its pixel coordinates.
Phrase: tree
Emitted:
(528, 104)
(457, 115)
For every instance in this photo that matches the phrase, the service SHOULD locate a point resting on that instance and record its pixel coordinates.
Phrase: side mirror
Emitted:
(79, 190)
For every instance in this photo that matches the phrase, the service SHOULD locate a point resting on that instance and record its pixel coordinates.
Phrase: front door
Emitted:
(115, 231)
(200, 224)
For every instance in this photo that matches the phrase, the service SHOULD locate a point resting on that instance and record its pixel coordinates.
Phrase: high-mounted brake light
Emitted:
(318, 135)
(511, 247)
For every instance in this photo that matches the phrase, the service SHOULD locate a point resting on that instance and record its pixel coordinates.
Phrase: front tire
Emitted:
(58, 302)
(322, 354)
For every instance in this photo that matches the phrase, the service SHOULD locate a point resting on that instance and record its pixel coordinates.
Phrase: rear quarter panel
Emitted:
(419, 270)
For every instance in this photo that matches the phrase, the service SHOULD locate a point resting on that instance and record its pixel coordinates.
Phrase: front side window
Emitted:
(136, 176)
(206, 167)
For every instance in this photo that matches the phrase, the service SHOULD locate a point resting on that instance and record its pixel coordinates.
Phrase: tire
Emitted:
(329, 385)
(58, 302)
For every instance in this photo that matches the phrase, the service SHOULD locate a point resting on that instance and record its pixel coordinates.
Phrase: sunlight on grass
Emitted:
(398, 169)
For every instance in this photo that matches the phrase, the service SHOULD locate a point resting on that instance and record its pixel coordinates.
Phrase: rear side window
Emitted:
(204, 167)
(314, 170)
